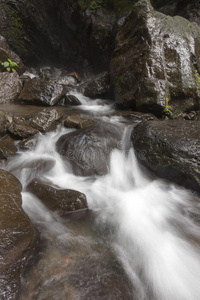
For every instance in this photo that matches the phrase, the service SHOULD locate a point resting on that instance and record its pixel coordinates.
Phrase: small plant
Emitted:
(9, 65)
(94, 5)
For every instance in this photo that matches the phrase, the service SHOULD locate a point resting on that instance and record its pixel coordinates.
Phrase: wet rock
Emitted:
(37, 91)
(88, 150)
(7, 147)
(59, 200)
(46, 119)
(2, 122)
(6, 52)
(72, 100)
(156, 63)
(135, 116)
(98, 36)
(76, 121)
(99, 87)
(20, 128)
(10, 87)
(27, 144)
(17, 236)
(171, 149)
(67, 80)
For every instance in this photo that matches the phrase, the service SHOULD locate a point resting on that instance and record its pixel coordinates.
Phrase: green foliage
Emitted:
(9, 65)
(118, 6)
(94, 5)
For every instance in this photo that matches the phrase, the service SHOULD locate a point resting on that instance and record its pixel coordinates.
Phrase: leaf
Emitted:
(13, 64)
(13, 70)
(5, 64)
(8, 69)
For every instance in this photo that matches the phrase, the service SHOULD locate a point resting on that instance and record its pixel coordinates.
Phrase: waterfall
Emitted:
(150, 225)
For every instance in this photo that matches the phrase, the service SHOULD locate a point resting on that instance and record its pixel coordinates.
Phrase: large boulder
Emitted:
(10, 87)
(17, 236)
(38, 91)
(156, 62)
(88, 150)
(171, 149)
(46, 119)
(59, 200)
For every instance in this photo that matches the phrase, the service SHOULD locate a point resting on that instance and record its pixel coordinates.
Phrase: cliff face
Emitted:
(74, 32)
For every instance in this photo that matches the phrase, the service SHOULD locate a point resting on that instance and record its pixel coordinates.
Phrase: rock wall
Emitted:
(156, 62)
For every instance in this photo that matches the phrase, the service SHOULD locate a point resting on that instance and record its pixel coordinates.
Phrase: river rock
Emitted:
(46, 119)
(156, 62)
(17, 236)
(10, 87)
(88, 150)
(99, 86)
(171, 149)
(2, 122)
(20, 128)
(72, 100)
(59, 200)
(37, 91)
(7, 147)
(135, 116)
(76, 121)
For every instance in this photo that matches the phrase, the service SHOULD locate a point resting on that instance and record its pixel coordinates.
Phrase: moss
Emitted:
(118, 6)
(17, 31)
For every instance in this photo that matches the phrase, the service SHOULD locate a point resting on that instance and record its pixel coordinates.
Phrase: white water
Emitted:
(152, 230)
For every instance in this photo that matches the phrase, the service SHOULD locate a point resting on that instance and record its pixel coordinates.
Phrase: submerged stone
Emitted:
(88, 150)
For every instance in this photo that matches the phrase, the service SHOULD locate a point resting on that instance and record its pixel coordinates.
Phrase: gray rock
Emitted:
(20, 128)
(37, 91)
(10, 87)
(156, 61)
(72, 100)
(171, 149)
(2, 122)
(59, 200)
(88, 150)
(46, 119)
(76, 121)
(17, 236)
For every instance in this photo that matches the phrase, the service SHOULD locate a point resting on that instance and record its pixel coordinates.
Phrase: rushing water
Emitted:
(140, 240)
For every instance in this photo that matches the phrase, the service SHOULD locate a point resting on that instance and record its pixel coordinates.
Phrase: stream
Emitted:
(139, 240)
